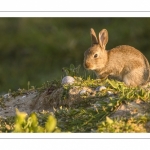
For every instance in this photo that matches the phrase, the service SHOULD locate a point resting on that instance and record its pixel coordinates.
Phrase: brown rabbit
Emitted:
(124, 63)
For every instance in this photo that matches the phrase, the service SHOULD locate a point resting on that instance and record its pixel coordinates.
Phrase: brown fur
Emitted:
(124, 63)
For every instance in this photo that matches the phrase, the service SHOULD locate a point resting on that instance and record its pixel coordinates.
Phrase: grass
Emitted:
(89, 112)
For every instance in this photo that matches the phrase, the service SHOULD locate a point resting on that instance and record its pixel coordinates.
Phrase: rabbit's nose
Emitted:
(87, 65)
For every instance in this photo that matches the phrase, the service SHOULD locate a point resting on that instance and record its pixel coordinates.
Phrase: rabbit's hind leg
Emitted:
(135, 77)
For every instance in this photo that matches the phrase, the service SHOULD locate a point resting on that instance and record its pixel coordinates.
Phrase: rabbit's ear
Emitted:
(93, 37)
(103, 38)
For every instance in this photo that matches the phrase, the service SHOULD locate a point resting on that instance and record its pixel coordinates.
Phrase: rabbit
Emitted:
(123, 63)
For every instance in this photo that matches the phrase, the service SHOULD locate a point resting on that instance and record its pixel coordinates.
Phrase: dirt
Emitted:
(135, 108)
(23, 103)
(52, 98)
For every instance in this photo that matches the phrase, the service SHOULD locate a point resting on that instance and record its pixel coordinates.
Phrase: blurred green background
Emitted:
(36, 49)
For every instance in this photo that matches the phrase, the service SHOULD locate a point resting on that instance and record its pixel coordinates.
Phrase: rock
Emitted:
(6, 95)
(83, 92)
(68, 80)
(110, 93)
(24, 96)
(100, 88)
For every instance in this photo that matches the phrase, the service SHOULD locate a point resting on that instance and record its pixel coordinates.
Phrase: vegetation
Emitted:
(92, 111)
(36, 49)
(30, 124)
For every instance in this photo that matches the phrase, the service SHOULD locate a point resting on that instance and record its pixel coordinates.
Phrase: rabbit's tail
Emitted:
(146, 84)
(148, 70)
(149, 75)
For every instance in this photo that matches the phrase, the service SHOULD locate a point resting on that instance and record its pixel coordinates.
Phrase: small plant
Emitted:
(30, 124)
(72, 70)
(122, 125)
(129, 93)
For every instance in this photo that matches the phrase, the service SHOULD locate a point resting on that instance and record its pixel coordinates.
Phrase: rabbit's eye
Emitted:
(96, 55)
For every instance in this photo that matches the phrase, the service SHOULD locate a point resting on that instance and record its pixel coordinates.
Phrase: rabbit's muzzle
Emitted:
(87, 65)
